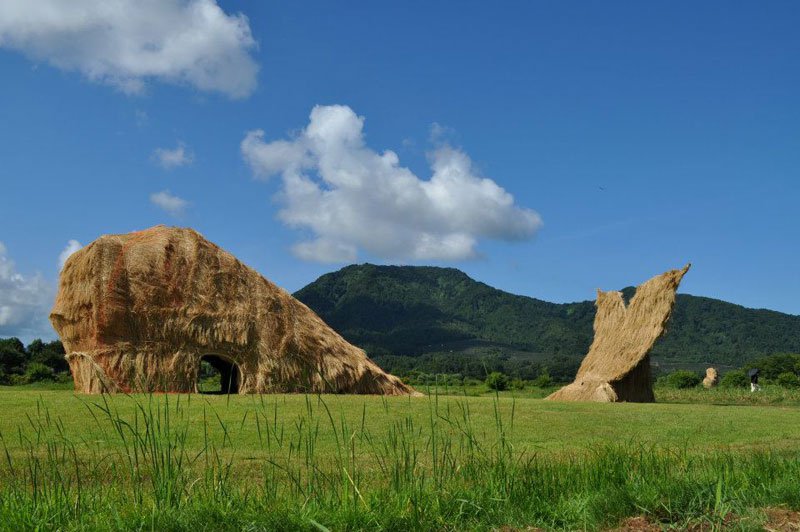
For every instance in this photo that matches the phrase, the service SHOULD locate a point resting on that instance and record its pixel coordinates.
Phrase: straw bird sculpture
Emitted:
(139, 311)
(617, 367)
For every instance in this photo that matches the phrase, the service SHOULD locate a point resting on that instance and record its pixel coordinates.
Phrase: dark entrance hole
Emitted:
(217, 375)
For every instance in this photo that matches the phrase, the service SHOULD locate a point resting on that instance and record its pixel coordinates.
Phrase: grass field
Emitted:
(447, 462)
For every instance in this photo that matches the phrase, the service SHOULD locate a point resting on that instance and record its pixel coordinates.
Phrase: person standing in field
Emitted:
(753, 374)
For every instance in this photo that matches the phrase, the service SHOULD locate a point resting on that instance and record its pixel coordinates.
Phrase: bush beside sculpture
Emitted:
(734, 379)
(682, 379)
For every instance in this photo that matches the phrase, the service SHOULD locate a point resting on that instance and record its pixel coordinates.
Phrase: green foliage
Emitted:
(543, 380)
(497, 381)
(12, 356)
(408, 310)
(707, 330)
(476, 366)
(770, 394)
(64, 378)
(788, 380)
(50, 354)
(772, 366)
(420, 378)
(734, 379)
(682, 379)
(16, 379)
(39, 361)
(36, 372)
(518, 384)
(439, 320)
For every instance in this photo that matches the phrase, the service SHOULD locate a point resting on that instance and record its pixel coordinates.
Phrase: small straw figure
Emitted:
(753, 374)
(712, 378)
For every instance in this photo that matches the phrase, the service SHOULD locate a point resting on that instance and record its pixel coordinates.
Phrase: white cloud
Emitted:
(24, 302)
(174, 158)
(325, 250)
(125, 43)
(352, 198)
(173, 205)
(72, 247)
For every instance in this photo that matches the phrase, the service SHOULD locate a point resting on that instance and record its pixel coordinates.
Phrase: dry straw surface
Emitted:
(617, 367)
(711, 379)
(137, 311)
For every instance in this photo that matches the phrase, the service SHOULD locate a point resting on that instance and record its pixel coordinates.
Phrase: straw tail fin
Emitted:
(617, 367)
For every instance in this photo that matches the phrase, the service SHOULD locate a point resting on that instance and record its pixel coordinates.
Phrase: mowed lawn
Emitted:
(532, 425)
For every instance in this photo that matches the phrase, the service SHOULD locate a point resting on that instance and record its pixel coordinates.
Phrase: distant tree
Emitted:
(35, 347)
(50, 354)
(497, 381)
(563, 369)
(12, 356)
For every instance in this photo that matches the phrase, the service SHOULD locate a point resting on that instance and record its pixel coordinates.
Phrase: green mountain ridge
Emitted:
(406, 312)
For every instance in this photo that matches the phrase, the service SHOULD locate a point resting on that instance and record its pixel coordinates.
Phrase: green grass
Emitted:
(351, 462)
(770, 394)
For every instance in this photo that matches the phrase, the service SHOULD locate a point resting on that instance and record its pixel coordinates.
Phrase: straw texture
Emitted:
(136, 312)
(617, 367)
(711, 379)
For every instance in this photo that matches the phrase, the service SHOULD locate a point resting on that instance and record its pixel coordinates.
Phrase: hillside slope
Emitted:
(414, 310)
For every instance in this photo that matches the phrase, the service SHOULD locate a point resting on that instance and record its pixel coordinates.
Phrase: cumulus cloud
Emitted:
(353, 198)
(72, 247)
(172, 205)
(179, 156)
(125, 43)
(24, 301)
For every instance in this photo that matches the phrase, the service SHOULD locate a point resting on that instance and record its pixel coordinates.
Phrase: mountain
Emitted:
(439, 319)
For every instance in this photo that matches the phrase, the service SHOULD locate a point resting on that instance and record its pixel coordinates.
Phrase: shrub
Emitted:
(543, 380)
(497, 381)
(424, 379)
(735, 379)
(454, 379)
(518, 384)
(64, 377)
(15, 379)
(682, 379)
(789, 380)
(37, 371)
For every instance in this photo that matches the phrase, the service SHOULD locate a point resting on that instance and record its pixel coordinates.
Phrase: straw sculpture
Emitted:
(138, 311)
(617, 367)
(711, 379)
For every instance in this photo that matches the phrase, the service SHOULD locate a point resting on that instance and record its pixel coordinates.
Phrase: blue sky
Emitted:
(620, 140)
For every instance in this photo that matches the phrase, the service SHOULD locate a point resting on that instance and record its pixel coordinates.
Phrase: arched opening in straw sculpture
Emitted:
(219, 376)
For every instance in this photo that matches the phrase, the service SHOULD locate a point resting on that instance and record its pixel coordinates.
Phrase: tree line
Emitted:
(38, 361)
